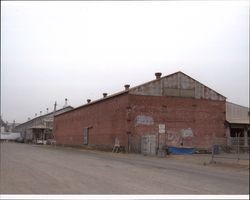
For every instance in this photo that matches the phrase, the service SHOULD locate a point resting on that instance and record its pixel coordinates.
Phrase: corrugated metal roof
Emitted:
(41, 126)
(42, 116)
(237, 114)
(178, 85)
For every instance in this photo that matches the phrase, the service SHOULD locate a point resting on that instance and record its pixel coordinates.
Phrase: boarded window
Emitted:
(85, 136)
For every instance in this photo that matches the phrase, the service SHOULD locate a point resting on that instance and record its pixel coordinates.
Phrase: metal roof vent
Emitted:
(158, 75)
(88, 100)
(105, 95)
(126, 87)
(66, 103)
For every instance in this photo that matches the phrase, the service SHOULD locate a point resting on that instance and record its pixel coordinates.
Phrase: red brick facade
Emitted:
(204, 117)
(105, 121)
(128, 117)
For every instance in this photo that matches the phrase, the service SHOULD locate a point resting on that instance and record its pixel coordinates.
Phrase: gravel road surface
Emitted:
(33, 169)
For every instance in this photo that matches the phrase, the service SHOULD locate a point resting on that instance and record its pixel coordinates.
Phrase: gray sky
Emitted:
(78, 50)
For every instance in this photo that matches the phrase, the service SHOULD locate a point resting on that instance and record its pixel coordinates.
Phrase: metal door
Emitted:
(148, 145)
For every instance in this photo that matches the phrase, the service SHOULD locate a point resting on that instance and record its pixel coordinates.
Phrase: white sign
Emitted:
(162, 128)
(144, 120)
(186, 133)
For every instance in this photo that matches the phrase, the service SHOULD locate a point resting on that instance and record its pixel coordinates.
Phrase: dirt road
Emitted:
(30, 169)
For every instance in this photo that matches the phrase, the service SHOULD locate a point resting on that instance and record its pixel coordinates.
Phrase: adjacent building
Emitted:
(41, 127)
(237, 125)
(174, 110)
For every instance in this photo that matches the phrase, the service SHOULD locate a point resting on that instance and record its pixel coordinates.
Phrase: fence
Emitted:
(230, 148)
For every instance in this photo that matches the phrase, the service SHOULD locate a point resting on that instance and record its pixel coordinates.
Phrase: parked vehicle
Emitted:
(9, 136)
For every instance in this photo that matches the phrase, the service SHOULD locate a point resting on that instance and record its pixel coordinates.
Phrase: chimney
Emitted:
(158, 75)
(66, 103)
(126, 87)
(105, 95)
(55, 106)
(88, 100)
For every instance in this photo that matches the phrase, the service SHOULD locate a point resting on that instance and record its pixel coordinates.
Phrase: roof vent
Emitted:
(66, 103)
(158, 75)
(88, 100)
(105, 95)
(55, 106)
(126, 87)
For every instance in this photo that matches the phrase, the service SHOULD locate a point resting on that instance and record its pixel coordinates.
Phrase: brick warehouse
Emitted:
(159, 112)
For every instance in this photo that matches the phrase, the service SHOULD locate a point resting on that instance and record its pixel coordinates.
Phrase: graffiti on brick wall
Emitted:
(176, 137)
(144, 120)
(173, 136)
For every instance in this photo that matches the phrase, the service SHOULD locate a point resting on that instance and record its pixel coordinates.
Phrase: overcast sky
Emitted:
(78, 50)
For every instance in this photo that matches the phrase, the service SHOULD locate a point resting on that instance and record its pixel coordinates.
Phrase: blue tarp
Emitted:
(181, 150)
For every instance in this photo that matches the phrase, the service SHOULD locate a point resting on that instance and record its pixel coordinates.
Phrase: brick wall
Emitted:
(205, 118)
(105, 119)
(128, 117)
